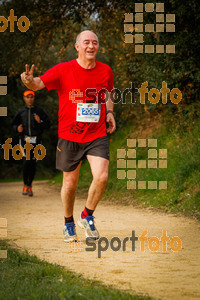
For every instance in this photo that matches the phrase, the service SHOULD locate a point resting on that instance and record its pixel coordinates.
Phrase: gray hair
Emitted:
(78, 39)
(79, 35)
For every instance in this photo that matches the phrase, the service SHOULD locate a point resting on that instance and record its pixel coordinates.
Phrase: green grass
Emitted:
(10, 180)
(181, 137)
(182, 172)
(26, 277)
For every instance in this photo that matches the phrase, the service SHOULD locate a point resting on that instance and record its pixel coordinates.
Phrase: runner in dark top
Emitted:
(29, 122)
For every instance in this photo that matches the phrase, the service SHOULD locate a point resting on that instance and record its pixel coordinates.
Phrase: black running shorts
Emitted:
(69, 154)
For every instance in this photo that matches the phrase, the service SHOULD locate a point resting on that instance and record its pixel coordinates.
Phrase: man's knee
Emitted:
(101, 178)
(69, 184)
(69, 181)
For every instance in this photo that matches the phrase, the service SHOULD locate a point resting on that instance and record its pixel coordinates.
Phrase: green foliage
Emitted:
(50, 40)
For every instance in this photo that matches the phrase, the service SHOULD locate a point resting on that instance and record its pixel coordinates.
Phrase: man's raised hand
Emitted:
(27, 76)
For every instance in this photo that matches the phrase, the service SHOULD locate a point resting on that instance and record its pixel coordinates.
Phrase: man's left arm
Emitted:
(110, 119)
(43, 119)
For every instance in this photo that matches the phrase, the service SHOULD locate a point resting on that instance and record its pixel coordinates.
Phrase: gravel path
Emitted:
(36, 223)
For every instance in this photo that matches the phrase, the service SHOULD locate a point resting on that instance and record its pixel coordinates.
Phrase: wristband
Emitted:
(112, 112)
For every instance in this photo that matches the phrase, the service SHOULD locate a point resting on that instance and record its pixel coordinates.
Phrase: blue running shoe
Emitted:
(88, 225)
(69, 232)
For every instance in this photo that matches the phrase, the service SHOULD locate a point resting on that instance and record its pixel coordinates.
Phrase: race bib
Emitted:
(88, 112)
(31, 139)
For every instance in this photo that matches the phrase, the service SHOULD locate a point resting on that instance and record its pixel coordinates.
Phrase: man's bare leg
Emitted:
(70, 180)
(99, 168)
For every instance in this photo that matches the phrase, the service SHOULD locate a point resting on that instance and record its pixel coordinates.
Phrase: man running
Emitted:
(82, 126)
(29, 122)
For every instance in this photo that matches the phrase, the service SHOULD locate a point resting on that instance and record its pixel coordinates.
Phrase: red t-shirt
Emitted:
(71, 81)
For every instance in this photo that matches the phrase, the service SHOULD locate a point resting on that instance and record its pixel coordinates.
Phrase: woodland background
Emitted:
(50, 40)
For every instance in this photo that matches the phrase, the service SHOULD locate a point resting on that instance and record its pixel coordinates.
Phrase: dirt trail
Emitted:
(36, 223)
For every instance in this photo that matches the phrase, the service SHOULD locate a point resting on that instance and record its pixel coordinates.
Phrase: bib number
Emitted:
(88, 112)
(30, 139)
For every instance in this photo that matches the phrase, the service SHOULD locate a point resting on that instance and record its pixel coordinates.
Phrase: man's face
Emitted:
(29, 100)
(88, 46)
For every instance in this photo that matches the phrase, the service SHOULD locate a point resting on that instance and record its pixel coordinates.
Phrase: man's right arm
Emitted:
(32, 83)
